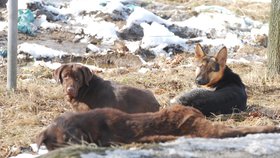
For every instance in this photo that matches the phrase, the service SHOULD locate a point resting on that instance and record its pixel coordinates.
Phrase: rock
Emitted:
(41, 8)
(184, 32)
(174, 49)
(92, 48)
(133, 33)
(145, 54)
(3, 3)
(256, 145)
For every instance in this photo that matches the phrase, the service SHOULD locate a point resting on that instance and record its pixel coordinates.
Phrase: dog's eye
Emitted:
(216, 67)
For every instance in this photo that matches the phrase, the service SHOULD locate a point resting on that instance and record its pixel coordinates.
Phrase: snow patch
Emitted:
(141, 15)
(39, 51)
(3, 25)
(157, 35)
(42, 22)
(102, 30)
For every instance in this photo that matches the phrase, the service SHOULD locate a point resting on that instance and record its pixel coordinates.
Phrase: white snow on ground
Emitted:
(42, 22)
(93, 48)
(102, 30)
(224, 26)
(156, 35)
(254, 144)
(230, 40)
(38, 51)
(3, 25)
(42, 151)
(132, 46)
(23, 4)
(141, 15)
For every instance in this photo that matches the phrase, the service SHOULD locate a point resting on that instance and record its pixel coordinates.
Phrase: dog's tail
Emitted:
(222, 131)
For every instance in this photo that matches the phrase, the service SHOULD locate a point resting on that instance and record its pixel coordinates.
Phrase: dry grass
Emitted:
(38, 99)
(257, 11)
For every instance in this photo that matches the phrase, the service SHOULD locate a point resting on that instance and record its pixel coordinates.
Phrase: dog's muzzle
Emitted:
(71, 91)
(201, 81)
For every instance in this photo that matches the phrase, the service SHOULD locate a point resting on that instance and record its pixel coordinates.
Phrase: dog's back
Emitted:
(104, 93)
(225, 92)
(85, 90)
(107, 126)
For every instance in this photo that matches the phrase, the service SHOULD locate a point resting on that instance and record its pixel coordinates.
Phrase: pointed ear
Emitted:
(221, 57)
(199, 52)
(87, 74)
(41, 139)
(57, 74)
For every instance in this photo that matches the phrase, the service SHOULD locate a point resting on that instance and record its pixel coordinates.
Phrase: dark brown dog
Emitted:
(108, 126)
(87, 91)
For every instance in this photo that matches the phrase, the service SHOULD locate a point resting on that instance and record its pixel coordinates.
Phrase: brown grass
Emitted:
(38, 99)
(257, 11)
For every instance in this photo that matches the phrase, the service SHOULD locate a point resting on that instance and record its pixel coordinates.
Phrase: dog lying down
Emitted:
(108, 126)
(85, 90)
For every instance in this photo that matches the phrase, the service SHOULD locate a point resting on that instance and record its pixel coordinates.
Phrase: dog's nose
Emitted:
(201, 81)
(70, 90)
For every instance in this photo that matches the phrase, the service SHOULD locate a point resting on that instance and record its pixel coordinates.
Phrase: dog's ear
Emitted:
(41, 139)
(57, 73)
(199, 53)
(221, 57)
(87, 74)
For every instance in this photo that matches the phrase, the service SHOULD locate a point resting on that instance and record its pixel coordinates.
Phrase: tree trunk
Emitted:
(274, 39)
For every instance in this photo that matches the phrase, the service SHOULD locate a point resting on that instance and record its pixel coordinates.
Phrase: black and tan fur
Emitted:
(223, 91)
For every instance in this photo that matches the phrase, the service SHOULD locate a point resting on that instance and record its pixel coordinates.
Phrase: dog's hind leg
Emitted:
(201, 127)
(157, 138)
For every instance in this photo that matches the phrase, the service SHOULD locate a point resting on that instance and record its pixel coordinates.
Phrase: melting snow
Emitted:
(156, 34)
(141, 15)
(102, 30)
(39, 51)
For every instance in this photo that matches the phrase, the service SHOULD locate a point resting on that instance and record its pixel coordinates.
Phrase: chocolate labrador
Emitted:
(85, 91)
(107, 126)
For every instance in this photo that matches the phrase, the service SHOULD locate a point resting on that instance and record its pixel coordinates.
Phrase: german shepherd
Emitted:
(223, 91)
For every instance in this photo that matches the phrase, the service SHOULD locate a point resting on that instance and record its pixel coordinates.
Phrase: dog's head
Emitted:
(210, 69)
(73, 77)
(59, 134)
(52, 137)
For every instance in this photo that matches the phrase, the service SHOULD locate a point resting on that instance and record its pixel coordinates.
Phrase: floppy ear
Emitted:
(199, 52)
(221, 57)
(87, 74)
(57, 73)
(40, 139)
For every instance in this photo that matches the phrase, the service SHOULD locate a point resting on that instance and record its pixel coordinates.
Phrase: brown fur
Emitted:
(84, 90)
(108, 126)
